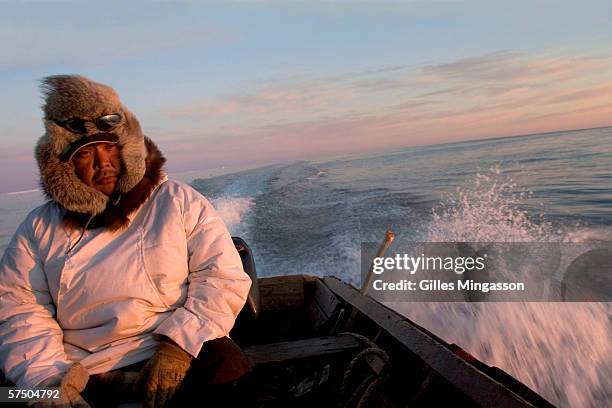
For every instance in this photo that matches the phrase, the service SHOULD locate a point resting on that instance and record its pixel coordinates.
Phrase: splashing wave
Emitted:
(232, 209)
(562, 350)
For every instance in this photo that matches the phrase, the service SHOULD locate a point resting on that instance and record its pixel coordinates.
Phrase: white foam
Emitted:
(23, 192)
(586, 235)
(561, 350)
(320, 173)
(232, 209)
(487, 210)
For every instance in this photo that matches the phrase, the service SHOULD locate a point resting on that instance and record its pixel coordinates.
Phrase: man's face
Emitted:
(98, 166)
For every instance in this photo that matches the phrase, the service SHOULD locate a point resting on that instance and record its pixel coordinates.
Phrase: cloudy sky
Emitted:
(256, 82)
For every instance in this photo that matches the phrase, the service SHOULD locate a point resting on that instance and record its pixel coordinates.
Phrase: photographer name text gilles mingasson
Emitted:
(458, 265)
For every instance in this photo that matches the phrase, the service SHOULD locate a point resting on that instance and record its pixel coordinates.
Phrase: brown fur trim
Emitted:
(61, 184)
(115, 217)
(74, 96)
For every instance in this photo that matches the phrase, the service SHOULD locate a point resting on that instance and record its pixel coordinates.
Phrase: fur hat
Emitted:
(72, 96)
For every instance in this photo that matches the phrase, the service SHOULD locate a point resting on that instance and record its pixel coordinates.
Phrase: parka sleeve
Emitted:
(31, 340)
(218, 286)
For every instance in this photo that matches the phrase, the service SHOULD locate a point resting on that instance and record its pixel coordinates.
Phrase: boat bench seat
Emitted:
(288, 351)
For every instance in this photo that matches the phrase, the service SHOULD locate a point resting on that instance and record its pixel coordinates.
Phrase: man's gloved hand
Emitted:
(71, 384)
(163, 374)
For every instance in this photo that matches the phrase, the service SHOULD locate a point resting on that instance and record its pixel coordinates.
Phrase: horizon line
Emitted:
(253, 166)
(396, 149)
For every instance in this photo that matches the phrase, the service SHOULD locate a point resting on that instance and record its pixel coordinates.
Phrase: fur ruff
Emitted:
(72, 96)
(115, 217)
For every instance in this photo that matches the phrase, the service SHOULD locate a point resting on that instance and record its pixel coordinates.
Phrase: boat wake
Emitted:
(232, 209)
(298, 220)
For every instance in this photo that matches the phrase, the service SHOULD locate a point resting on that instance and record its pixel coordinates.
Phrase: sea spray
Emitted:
(489, 210)
(561, 350)
(231, 210)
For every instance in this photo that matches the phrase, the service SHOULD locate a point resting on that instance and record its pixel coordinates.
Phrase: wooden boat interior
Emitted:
(320, 342)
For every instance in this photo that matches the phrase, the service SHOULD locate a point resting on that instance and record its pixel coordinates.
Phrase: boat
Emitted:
(318, 341)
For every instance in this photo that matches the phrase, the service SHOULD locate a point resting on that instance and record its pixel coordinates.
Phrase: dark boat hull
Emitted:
(320, 342)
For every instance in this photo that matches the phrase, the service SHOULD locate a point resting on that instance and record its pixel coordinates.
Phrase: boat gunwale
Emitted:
(435, 352)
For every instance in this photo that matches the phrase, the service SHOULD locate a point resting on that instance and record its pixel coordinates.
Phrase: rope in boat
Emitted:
(376, 375)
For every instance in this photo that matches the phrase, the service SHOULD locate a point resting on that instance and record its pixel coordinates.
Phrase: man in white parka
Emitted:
(120, 268)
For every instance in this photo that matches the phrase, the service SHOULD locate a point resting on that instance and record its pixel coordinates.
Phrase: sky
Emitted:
(245, 83)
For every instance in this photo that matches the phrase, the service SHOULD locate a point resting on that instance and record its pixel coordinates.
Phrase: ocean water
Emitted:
(311, 217)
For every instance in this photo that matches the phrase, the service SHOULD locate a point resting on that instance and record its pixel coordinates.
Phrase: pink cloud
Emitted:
(492, 95)
(511, 67)
(596, 92)
(276, 98)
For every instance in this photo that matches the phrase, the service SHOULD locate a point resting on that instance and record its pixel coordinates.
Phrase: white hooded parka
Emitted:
(174, 271)
(154, 259)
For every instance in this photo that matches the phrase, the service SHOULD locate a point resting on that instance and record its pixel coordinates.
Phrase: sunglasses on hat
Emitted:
(103, 123)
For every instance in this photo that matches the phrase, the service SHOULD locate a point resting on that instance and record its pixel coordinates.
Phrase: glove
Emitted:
(71, 384)
(163, 374)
